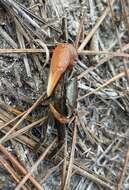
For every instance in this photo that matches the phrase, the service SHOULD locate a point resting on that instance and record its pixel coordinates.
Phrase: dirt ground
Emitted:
(95, 150)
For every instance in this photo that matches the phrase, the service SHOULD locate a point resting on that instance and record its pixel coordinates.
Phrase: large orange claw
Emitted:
(63, 58)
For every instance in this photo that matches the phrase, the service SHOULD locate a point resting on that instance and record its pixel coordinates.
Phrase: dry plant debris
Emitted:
(90, 149)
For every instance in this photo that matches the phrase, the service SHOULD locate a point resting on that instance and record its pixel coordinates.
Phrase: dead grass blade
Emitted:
(125, 15)
(25, 58)
(14, 161)
(22, 182)
(22, 118)
(11, 171)
(6, 36)
(113, 54)
(122, 74)
(93, 177)
(21, 50)
(101, 62)
(14, 119)
(70, 167)
(98, 23)
(23, 130)
(119, 186)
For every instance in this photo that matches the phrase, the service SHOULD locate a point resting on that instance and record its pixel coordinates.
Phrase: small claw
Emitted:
(60, 117)
(64, 57)
(52, 81)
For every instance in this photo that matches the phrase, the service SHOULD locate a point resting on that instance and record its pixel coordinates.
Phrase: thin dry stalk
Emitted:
(35, 16)
(69, 172)
(25, 59)
(98, 23)
(25, 129)
(21, 30)
(122, 74)
(18, 112)
(44, 46)
(112, 12)
(24, 18)
(6, 36)
(21, 168)
(125, 16)
(11, 171)
(79, 32)
(93, 177)
(52, 170)
(124, 60)
(114, 54)
(119, 186)
(11, 121)
(21, 50)
(117, 33)
(65, 162)
(35, 165)
(22, 118)
(24, 139)
(101, 62)
(82, 170)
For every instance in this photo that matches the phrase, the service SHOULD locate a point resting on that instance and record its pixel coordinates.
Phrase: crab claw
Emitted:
(54, 77)
(63, 58)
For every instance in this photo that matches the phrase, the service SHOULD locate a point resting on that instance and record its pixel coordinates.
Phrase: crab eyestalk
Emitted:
(63, 58)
